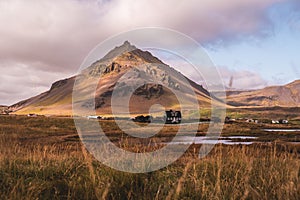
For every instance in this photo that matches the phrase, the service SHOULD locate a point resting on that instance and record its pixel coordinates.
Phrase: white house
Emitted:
(93, 117)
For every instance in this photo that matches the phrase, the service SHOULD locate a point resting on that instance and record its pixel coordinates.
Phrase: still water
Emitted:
(282, 130)
(230, 140)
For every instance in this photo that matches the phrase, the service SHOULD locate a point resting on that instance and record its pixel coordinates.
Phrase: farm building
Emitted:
(283, 121)
(228, 120)
(93, 117)
(252, 121)
(173, 117)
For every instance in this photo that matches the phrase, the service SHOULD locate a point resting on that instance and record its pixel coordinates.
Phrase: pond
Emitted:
(282, 130)
(230, 140)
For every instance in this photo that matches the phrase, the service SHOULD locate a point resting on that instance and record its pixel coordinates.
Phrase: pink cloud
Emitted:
(52, 38)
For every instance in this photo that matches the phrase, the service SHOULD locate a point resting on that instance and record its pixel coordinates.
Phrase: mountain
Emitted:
(283, 96)
(123, 68)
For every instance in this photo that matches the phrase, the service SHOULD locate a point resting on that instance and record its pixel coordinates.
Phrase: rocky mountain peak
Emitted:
(119, 50)
(121, 58)
(127, 48)
(126, 43)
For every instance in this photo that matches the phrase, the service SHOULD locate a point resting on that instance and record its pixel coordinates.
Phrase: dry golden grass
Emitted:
(38, 160)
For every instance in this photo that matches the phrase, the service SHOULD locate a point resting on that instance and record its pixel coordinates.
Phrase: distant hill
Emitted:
(112, 67)
(3, 109)
(284, 96)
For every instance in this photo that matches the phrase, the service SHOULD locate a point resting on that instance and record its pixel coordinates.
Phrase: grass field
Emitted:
(43, 158)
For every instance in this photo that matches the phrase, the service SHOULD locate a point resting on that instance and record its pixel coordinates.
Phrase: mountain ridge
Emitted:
(287, 95)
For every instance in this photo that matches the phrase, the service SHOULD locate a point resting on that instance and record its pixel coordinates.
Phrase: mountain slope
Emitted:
(284, 96)
(3, 109)
(124, 66)
(57, 100)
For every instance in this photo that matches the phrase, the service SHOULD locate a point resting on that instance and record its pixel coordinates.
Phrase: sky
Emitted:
(256, 42)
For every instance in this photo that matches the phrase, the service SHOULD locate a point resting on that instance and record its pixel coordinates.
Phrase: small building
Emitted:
(283, 121)
(93, 117)
(228, 120)
(252, 121)
(275, 122)
(172, 117)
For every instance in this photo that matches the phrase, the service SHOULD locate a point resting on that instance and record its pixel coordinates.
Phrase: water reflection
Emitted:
(282, 130)
(230, 140)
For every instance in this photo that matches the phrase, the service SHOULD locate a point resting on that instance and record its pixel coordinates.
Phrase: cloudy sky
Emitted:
(257, 42)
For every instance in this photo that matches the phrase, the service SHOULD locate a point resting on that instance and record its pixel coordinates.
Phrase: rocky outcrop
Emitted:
(150, 90)
(117, 51)
(114, 67)
(58, 84)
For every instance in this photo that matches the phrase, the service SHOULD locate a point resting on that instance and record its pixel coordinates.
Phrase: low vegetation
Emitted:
(42, 158)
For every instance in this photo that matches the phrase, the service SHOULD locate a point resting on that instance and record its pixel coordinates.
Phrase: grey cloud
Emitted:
(243, 79)
(62, 34)
(52, 38)
(19, 81)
